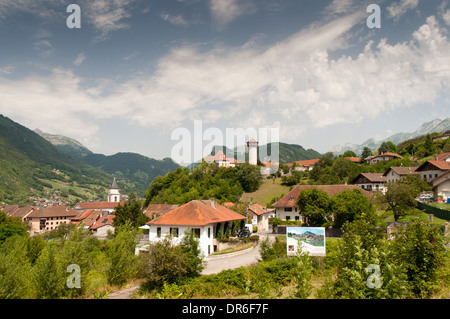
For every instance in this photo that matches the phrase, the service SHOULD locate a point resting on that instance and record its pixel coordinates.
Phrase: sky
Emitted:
(138, 70)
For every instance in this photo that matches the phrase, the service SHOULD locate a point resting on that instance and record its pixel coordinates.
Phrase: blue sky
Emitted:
(136, 70)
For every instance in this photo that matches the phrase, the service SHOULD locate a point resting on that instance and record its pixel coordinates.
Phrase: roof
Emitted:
(220, 156)
(372, 177)
(252, 141)
(22, 212)
(290, 199)
(87, 217)
(441, 179)
(54, 211)
(159, 209)
(97, 205)
(401, 170)
(388, 154)
(442, 157)
(197, 213)
(307, 162)
(258, 209)
(440, 165)
(353, 159)
(103, 221)
(114, 184)
(9, 209)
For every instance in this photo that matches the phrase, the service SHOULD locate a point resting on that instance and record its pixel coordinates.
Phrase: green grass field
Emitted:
(268, 190)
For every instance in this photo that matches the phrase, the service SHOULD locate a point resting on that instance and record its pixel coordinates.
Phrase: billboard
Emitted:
(308, 239)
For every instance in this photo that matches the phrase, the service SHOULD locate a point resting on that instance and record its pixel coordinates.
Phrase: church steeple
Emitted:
(114, 194)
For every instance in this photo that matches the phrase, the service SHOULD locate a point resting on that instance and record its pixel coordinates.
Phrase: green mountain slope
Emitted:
(134, 171)
(30, 165)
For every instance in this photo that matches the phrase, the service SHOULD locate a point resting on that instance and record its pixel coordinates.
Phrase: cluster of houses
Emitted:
(207, 218)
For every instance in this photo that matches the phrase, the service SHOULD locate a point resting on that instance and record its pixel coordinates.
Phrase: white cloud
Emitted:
(225, 11)
(79, 59)
(396, 10)
(177, 20)
(293, 82)
(446, 17)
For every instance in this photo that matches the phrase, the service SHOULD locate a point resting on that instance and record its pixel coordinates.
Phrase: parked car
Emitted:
(244, 233)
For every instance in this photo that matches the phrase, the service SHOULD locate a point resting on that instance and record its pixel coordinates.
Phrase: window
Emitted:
(288, 209)
(196, 232)
(297, 218)
(158, 232)
(288, 217)
(174, 232)
(209, 235)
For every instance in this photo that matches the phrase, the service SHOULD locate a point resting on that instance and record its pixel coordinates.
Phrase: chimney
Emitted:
(213, 203)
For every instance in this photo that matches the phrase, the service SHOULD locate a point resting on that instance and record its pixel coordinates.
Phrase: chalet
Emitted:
(371, 182)
(443, 157)
(287, 209)
(50, 218)
(260, 216)
(394, 174)
(431, 170)
(388, 156)
(155, 210)
(88, 217)
(441, 186)
(203, 217)
(221, 160)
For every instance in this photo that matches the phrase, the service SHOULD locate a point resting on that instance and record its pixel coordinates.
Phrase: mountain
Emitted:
(30, 166)
(434, 126)
(288, 153)
(135, 171)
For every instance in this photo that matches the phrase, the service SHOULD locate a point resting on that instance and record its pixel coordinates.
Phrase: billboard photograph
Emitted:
(308, 239)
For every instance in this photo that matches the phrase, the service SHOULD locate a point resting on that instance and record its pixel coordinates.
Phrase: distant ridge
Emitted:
(434, 126)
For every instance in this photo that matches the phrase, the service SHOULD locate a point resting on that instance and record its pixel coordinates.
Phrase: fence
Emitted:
(440, 213)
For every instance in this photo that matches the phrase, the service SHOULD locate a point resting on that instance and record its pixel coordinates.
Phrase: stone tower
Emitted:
(252, 152)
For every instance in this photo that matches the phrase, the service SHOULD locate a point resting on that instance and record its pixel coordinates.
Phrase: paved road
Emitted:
(216, 266)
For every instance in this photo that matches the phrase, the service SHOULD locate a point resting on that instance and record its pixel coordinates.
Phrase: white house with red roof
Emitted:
(203, 217)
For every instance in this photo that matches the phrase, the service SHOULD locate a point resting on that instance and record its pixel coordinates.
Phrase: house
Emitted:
(443, 157)
(394, 174)
(49, 218)
(441, 186)
(103, 226)
(305, 165)
(431, 170)
(371, 182)
(155, 210)
(221, 160)
(287, 209)
(260, 216)
(388, 156)
(204, 217)
(17, 211)
(443, 136)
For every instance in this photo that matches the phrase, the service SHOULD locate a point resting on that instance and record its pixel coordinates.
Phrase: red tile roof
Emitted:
(159, 209)
(197, 213)
(389, 154)
(401, 170)
(442, 157)
(87, 217)
(441, 165)
(372, 177)
(353, 159)
(97, 205)
(290, 199)
(258, 209)
(103, 221)
(307, 163)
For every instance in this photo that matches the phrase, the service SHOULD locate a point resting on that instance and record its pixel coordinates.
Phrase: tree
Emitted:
(131, 211)
(392, 147)
(400, 197)
(190, 247)
(349, 153)
(302, 275)
(384, 147)
(421, 249)
(366, 153)
(315, 206)
(351, 205)
(121, 255)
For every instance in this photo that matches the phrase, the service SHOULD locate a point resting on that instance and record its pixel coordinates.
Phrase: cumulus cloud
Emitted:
(79, 59)
(293, 82)
(225, 11)
(396, 10)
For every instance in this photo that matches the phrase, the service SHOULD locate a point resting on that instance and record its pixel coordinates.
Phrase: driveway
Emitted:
(251, 257)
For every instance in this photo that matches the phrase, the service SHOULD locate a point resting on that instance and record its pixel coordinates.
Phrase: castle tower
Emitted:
(252, 152)
(114, 194)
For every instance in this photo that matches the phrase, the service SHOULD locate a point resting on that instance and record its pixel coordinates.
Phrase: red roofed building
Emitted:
(260, 216)
(203, 217)
(371, 182)
(431, 170)
(102, 226)
(50, 218)
(388, 156)
(287, 208)
(305, 165)
(155, 210)
(108, 206)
